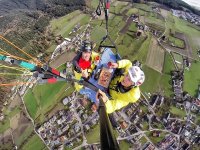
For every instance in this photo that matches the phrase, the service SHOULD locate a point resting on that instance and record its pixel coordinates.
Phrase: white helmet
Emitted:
(136, 75)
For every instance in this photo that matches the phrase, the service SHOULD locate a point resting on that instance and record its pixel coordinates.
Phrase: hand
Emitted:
(85, 73)
(97, 60)
(102, 95)
(112, 65)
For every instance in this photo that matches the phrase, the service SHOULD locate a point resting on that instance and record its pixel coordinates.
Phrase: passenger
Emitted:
(124, 88)
(84, 62)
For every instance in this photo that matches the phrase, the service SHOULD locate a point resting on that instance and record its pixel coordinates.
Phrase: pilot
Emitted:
(124, 88)
(84, 62)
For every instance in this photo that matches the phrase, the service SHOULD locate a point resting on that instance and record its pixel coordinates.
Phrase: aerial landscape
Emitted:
(41, 38)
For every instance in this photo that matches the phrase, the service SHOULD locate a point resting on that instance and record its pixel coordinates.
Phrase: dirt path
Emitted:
(125, 28)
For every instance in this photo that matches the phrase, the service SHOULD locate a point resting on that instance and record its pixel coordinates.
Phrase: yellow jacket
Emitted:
(119, 99)
(78, 75)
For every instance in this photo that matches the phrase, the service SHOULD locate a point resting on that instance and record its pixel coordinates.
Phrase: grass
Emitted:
(143, 51)
(4, 125)
(117, 7)
(94, 135)
(192, 33)
(166, 77)
(132, 11)
(23, 136)
(192, 79)
(65, 24)
(156, 140)
(179, 60)
(145, 7)
(34, 143)
(124, 145)
(178, 112)
(51, 48)
(133, 27)
(178, 57)
(31, 103)
(94, 4)
(152, 79)
(176, 42)
(145, 125)
(98, 33)
(143, 140)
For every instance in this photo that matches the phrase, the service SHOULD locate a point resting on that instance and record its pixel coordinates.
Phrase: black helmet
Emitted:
(86, 46)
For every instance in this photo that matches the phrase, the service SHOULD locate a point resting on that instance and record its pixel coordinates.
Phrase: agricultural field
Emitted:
(192, 33)
(178, 59)
(155, 58)
(62, 26)
(176, 42)
(192, 79)
(44, 97)
(34, 142)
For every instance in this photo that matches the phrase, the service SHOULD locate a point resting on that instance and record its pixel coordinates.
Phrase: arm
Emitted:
(124, 63)
(75, 63)
(122, 100)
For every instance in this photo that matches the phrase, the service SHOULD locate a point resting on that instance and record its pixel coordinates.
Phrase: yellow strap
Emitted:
(14, 83)
(15, 74)
(14, 68)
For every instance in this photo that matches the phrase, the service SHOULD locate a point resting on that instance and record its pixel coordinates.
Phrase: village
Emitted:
(150, 116)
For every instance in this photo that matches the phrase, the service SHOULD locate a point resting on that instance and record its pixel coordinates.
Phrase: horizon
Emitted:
(193, 3)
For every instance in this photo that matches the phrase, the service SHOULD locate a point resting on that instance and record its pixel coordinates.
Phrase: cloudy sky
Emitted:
(195, 3)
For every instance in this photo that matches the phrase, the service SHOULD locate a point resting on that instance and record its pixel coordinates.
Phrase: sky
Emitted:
(195, 3)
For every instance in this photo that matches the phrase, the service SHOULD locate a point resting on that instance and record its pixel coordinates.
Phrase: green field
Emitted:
(192, 33)
(192, 79)
(5, 124)
(152, 79)
(34, 143)
(44, 97)
(178, 112)
(176, 42)
(124, 145)
(98, 33)
(31, 103)
(94, 135)
(66, 23)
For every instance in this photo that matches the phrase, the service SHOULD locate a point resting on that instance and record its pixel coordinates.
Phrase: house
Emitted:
(87, 127)
(94, 108)
(198, 97)
(123, 125)
(65, 101)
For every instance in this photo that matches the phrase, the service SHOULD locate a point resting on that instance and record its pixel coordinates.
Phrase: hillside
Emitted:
(175, 4)
(24, 23)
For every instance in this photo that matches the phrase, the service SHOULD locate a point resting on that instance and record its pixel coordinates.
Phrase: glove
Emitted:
(77, 68)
